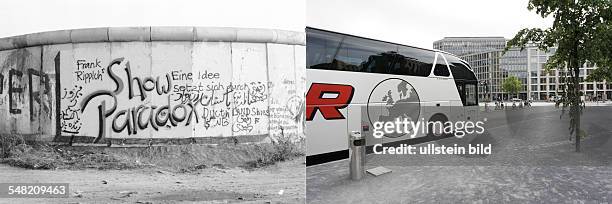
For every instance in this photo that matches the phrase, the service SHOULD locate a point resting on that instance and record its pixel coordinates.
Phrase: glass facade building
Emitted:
(467, 45)
(492, 66)
(546, 85)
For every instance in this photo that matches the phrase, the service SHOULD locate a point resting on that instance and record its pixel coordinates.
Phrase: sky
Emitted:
(411, 22)
(30, 16)
(420, 23)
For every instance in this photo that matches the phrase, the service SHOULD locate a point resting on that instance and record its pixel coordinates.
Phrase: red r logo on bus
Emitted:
(329, 107)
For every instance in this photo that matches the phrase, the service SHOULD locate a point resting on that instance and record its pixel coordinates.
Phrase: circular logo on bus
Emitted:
(393, 99)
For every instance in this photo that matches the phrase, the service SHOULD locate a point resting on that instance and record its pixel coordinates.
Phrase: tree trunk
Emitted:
(577, 127)
(576, 112)
(576, 109)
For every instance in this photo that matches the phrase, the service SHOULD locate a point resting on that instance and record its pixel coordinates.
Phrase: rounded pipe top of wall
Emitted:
(148, 34)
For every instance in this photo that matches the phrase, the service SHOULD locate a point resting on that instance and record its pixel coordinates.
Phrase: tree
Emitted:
(512, 85)
(582, 31)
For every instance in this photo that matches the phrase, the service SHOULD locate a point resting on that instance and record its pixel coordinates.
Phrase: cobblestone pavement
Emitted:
(464, 184)
(532, 162)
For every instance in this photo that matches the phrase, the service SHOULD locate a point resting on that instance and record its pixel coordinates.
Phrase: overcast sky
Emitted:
(416, 23)
(419, 23)
(29, 16)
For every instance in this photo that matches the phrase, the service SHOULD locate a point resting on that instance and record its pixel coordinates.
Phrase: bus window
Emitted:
(468, 92)
(333, 51)
(461, 90)
(415, 62)
(364, 55)
(471, 95)
(441, 70)
(382, 63)
(321, 47)
(459, 69)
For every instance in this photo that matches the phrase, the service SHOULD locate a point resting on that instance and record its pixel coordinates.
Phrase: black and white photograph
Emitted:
(152, 101)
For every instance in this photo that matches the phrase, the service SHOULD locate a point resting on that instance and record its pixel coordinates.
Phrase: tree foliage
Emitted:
(582, 32)
(512, 85)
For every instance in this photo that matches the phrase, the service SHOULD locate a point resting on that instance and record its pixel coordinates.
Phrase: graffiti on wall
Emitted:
(287, 113)
(70, 115)
(40, 96)
(87, 71)
(1, 88)
(197, 98)
(21, 80)
(132, 93)
(27, 93)
(222, 103)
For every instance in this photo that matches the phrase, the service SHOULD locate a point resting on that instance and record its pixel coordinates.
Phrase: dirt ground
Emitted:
(279, 183)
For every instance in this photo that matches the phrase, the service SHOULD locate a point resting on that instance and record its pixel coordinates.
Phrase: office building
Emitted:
(491, 66)
(468, 45)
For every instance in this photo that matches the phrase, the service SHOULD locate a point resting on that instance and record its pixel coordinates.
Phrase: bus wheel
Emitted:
(436, 129)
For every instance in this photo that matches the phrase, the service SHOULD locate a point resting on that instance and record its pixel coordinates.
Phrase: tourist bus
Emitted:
(354, 82)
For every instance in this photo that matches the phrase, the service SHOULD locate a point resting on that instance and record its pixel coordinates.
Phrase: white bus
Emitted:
(354, 82)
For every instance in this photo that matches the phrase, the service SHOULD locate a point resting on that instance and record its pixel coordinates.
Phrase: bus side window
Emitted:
(471, 98)
(468, 92)
(461, 89)
(441, 70)
(414, 62)
(362, 55)
(321, 48)
(460, 70)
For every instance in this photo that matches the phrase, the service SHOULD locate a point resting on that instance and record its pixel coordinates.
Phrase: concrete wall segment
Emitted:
(87, 35)
(172, 33)
(216, 85)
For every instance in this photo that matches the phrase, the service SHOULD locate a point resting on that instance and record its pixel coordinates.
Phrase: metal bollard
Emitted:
(357, 154)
